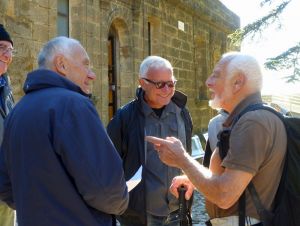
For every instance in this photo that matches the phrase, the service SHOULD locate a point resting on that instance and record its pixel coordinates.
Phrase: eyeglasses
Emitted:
(5, 49)
(160, 85)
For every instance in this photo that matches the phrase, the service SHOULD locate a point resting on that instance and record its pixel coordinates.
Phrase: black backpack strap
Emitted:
(223, 143)
(259, 106)
(265, 215)
(242, 209)
(207, 154)
(256, 199)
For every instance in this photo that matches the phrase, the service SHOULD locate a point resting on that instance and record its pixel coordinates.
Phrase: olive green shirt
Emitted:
(257, 146)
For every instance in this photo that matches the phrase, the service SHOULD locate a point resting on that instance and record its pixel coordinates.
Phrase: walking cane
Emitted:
(184, 211)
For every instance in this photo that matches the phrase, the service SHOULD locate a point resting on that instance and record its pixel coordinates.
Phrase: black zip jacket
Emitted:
(126, 130)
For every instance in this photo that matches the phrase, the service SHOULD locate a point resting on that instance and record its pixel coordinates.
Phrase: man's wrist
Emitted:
(186, 161)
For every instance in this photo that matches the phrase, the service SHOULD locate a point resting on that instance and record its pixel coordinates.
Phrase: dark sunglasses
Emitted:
(160, 85)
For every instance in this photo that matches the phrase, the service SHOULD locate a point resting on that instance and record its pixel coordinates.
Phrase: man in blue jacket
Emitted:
(157, 110)
(57, 164)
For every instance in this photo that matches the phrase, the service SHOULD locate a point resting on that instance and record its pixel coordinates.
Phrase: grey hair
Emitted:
(238, 62)
(154, 62)
(59, 45)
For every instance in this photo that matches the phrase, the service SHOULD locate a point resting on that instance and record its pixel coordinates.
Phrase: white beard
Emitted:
(215, 103)
(218, 102)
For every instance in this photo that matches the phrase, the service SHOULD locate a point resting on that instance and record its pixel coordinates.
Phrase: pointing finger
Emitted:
(156, 140)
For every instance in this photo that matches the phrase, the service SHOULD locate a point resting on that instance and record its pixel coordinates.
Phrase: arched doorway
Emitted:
(112, 73)
(120, 66)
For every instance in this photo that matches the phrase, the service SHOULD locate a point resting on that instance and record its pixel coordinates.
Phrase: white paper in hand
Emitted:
(135, 180)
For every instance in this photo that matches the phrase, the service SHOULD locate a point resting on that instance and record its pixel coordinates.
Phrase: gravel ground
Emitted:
(199, 214)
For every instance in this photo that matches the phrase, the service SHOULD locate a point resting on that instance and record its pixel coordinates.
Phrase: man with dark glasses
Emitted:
(158, 109)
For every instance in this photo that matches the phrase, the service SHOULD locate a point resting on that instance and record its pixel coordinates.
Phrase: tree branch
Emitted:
(289, 59)
(251, 30)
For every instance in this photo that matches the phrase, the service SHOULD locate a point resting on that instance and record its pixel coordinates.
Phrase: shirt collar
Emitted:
(148, 110)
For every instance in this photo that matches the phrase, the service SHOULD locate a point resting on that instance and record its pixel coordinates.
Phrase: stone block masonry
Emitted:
(138, 28)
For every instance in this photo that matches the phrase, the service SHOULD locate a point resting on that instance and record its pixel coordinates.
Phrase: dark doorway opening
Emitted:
(112, 76)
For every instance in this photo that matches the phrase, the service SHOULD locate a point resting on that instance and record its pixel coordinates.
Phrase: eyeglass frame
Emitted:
(161, 84)
(4, 49)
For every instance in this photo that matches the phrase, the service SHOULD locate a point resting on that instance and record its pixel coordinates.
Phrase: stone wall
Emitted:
(193, 52)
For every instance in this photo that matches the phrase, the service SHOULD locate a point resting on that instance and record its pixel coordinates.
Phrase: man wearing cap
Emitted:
(6, 104)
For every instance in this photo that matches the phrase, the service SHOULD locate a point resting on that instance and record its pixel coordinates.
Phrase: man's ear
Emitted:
(142, 83)
(238, 82)
(59, 63)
